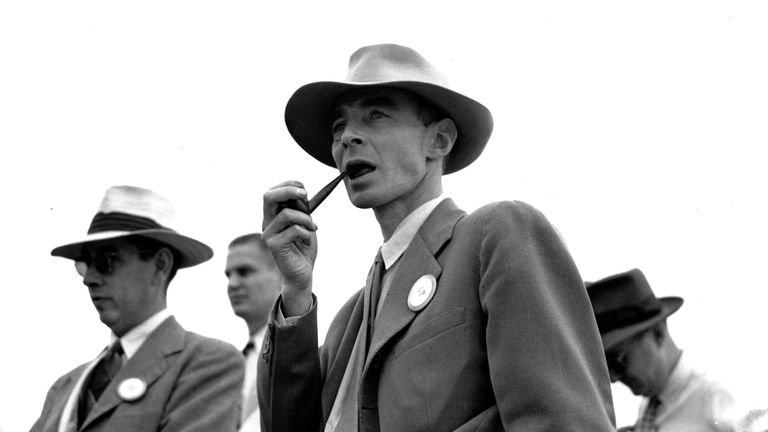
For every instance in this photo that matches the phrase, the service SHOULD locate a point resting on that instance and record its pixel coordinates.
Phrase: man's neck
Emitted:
(255, 325)
(391, 214)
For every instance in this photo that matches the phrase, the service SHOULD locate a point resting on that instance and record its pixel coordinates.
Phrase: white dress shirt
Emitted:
(250, 420)
(693, 402)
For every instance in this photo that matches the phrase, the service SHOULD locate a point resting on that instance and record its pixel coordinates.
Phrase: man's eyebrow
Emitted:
(380, 101)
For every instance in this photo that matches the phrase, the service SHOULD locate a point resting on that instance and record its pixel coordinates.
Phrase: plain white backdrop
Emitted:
(638, 128)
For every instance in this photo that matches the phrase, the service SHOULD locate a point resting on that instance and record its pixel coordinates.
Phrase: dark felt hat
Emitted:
(625, 305)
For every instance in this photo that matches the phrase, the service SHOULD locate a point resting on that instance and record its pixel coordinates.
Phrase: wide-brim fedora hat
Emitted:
(310, 110)
(625, 305)
(134, 211)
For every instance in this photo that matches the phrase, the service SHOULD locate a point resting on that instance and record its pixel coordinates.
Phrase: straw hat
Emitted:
(133, 211)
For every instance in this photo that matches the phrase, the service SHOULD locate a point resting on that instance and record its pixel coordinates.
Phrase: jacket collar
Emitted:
(419, 259)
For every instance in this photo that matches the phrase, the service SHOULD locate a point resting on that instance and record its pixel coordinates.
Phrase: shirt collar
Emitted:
(258, 337)
(135, 337)
(393, 248)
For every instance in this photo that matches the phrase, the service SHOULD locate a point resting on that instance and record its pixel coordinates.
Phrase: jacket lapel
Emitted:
(147, 364)
(419, 259)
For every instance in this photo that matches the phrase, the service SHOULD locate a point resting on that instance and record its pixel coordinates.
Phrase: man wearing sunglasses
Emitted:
(641, 354)
(153, 375)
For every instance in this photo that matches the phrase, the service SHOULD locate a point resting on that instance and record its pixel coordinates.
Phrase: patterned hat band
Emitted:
(116, 221)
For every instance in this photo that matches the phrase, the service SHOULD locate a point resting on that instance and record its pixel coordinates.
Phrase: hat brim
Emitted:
(192, 252)
(669, 305)
(309, 114)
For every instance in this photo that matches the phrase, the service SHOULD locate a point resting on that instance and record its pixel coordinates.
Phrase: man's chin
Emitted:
(362, 202)
(241, 311)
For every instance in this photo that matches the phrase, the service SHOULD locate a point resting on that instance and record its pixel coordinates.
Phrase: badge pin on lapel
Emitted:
(422, 292)
(131, 389)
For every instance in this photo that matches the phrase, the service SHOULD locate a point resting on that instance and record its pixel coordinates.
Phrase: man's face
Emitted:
(254, 282)
(636, 362)
(379, 134)
(123, 288)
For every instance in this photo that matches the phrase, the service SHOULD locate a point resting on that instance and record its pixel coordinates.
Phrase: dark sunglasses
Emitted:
(102, 262)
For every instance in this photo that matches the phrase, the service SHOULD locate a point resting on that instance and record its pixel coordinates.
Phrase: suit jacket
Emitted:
(508, 342)
(194, 383)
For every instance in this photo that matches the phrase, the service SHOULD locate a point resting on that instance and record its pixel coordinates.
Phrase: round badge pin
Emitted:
(131, 389)
(422, 292)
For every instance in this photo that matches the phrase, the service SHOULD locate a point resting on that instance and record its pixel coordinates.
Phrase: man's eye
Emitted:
(377, 115)
(337, 128)
(244, 273)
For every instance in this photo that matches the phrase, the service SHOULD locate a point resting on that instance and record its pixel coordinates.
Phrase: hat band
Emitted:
(624, 316)
(117, 221)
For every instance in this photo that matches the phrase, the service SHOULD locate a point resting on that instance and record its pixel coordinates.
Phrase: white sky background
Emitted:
(638, 128)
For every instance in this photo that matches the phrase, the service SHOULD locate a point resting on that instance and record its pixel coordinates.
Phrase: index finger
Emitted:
(285, 191)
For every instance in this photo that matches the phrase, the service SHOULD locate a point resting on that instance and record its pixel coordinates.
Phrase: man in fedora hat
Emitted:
(154, 375)
(253, 285)
(641, 354)
(467, 321)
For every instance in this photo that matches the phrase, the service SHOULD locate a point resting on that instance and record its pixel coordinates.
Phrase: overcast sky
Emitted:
(638, 128)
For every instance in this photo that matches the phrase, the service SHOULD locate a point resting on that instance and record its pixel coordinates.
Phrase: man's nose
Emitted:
(613, 375)
(351, 135)
(91, 276)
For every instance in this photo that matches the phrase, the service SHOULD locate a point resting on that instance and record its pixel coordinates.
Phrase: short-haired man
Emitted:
(641, 354)
(253, 286)
(467, 321)
(154, 375)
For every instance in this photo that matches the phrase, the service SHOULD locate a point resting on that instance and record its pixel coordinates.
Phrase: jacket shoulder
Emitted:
(505, 214)
(200, 343)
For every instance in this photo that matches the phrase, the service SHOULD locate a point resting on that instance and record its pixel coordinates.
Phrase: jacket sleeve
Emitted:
(544, 350)
(49, 419)
(289, 376)
(208, 391)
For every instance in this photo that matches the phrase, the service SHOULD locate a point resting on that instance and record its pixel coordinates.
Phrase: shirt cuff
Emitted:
(283, 321)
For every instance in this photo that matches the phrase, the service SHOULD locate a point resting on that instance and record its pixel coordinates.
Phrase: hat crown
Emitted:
(625, 305)
(390, 62)
(628, 290)
(136, 201)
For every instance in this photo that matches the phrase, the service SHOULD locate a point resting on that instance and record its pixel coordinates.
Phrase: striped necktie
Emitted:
(647, 423)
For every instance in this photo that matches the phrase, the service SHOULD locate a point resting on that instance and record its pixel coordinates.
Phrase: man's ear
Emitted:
(164, 261)
(659, 332)
(445, 136)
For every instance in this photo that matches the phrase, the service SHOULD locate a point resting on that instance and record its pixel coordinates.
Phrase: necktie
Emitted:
(376, 278)
(646, 423)
(344, 413)
(101, 375)
(248, 348)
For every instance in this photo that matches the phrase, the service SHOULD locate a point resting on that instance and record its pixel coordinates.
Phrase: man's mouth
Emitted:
(358, 169)
(100, 302)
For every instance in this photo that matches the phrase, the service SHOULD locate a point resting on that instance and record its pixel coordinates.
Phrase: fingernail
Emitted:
(301, 191)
